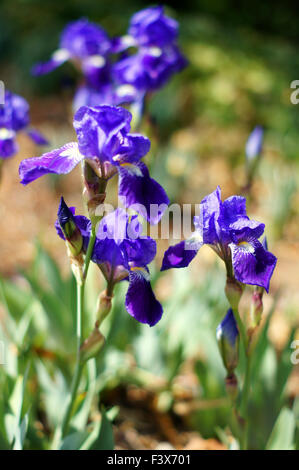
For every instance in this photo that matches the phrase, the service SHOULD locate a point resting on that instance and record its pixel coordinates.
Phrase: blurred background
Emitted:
(168, 381)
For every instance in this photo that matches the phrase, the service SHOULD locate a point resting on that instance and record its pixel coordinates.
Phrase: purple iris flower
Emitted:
(122, 254)
(225, 226)
(254, 143)
(82, 42)
(105, 141)
(14, 117)
(158, 56)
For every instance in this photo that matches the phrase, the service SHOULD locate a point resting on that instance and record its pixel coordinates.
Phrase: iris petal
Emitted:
(252, 263)
(141, 302)
(59, 161)
(138, 189)
(179, 256)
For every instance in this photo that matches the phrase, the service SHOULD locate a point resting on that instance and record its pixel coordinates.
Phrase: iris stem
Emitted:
(246, 385)
(80, 327)
(245, 399)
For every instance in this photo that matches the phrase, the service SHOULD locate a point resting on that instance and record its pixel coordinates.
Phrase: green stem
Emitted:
(90, 247)
(80, 325)
(246, 385)
(245, 399)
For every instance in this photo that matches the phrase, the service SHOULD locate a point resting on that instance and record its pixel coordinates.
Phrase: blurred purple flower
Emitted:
(14, 117)
(158, 57)
(254, 143)
(83, 42)
(226, 227)
(104, 139)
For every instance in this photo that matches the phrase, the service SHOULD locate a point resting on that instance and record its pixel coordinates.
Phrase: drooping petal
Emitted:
(179, 256)
(138, 189)
(37, 137)
(141, 302)
(58, 58)
(59, 161)
(252, 263)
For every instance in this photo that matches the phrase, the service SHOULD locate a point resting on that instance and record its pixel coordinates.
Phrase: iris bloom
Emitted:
(158, 56)
(14, 117)
(225, 226)
(122, 254)
(84, 43)
(105, 142)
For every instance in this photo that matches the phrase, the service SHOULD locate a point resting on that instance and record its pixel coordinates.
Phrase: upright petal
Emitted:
(96, 126)
(252, 263)
(59, 161)
(138, 189)
(178, 256)
(245, 229)
(141, 302)
(207, 222)
(150, 27)
(140, 252)
(130, 148)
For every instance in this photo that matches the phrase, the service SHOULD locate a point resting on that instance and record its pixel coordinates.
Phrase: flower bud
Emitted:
(254, 145)
(103, 307)
(69, 229)
(228, 341)
(256, 308)
(231, 386)
(92, 345)
(94, 190)
(233, 291)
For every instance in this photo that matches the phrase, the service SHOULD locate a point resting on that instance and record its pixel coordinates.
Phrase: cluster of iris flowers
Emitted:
(118, 71)
(123, 69)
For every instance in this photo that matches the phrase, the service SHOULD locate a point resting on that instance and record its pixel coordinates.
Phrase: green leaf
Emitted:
(74, 441)
(105, 439)
(282, 436)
